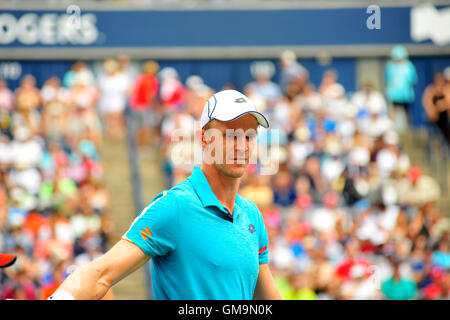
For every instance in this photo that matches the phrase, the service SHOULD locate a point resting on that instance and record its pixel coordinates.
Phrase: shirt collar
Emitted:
(205, 193)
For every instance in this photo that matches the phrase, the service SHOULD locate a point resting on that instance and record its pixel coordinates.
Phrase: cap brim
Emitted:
(7, 260)
(262, 121)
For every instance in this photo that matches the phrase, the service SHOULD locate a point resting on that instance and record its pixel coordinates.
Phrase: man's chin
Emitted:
(234, 170)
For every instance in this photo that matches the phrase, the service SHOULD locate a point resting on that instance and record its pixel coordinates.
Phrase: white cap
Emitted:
(228, 105)
(288, 56)
(447, 73)
(194, 81)
(168, 73)
(262, 69)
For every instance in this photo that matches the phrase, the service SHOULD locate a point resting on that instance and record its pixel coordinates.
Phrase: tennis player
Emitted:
(204, 240)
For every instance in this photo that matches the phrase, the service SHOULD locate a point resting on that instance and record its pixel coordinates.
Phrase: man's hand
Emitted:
(266, 286)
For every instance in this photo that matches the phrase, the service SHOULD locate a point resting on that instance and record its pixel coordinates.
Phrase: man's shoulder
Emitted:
(169, 200)
(178, 192)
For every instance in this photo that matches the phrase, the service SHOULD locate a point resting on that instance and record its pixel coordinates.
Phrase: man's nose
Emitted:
(241, 144)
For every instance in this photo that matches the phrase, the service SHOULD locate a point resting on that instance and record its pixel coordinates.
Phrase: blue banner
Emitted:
(216, 28)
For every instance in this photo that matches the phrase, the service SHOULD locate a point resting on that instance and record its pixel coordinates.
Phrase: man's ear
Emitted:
(199, 135)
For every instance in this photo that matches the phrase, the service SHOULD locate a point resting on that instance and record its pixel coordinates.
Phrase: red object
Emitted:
(34, 222)
(367, 247)
(27, 287)
(174, 97)
(331, 200)
(414, 173)
(7, 260)
(344, 268)
(144, 92)
(437, 273)
(60, 159)
(304, 201)
(48, 290)
(432, 291)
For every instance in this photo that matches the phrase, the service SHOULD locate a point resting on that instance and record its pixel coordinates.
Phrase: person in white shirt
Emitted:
(370, 99)
(114, 87)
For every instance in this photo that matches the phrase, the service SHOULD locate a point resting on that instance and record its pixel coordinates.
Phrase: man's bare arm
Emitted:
(92, 281)
(266, 286)
(427, 102)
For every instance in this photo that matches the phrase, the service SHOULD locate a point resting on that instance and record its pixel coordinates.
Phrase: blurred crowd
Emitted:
(53, 205)
(348, 215)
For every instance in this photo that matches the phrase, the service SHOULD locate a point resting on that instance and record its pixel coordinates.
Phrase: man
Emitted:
(205, 241)
(436, 102)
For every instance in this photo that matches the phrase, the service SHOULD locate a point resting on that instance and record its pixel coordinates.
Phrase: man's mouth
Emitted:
(242, 160)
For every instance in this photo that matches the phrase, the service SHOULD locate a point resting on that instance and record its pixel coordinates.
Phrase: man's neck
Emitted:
(224, 187)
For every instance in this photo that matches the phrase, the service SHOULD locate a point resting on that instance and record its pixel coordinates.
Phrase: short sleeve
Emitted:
(155, 229)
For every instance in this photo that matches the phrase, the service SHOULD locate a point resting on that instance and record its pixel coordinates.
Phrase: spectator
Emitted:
(84, 122)
(293, 75)
(359, 287)
(55, 109)
(441, 257)
(308, 100)
(262, 72)
(283, 189)
(398, 288)
(78, 70)
(327, 85)
(369, 100)
(401, 76)
(27, 96)
(6, 97)
(143, 100)
(113, 87)
(197, 95)
(52, 91)
(437, 104)
(27, 101)
(172, 92)
(127, 69)
(416, 189)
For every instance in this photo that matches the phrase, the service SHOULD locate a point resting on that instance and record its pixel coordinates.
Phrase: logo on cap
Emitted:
(240, 100)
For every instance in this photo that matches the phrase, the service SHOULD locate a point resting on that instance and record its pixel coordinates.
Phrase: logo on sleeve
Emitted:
(251, 228)
(145, 233)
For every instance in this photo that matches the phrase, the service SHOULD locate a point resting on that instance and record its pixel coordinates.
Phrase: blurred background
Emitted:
(91, 92)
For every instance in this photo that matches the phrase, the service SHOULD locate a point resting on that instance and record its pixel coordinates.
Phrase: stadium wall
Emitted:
(218, 45)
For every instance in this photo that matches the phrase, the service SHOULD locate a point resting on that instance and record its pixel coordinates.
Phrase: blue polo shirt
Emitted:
(198, 249)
